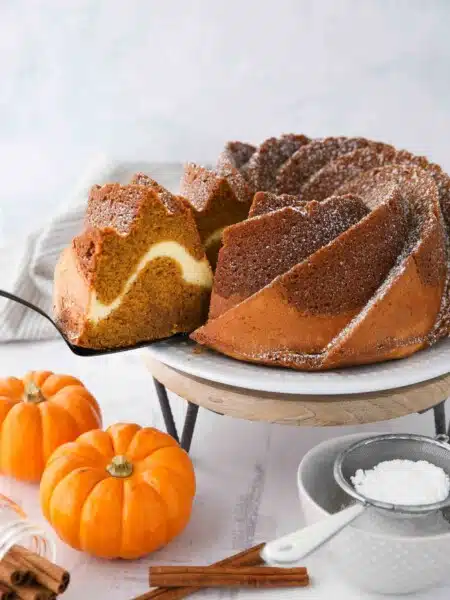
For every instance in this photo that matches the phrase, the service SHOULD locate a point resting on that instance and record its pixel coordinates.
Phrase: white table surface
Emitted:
(246, 479)
(173, 81)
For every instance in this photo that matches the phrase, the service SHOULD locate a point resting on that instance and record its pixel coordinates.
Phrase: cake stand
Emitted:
(302, 409)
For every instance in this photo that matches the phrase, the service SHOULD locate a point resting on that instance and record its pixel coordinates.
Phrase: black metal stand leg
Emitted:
(169, 421)
(189, 426)
(166, 410)
(440, 423)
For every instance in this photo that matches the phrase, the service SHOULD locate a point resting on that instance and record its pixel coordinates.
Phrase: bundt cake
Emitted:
(343, 259)
(137, 272)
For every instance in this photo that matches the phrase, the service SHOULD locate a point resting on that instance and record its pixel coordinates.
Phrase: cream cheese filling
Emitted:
(214, 237)
(195, 272)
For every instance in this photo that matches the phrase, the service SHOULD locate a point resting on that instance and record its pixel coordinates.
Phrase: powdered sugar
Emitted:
(308, 159)
(403, 482)
(261, 169)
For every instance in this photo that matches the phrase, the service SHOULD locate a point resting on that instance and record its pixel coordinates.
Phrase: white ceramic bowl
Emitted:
(384, 562)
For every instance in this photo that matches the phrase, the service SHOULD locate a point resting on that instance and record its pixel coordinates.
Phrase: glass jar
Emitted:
(16, 529)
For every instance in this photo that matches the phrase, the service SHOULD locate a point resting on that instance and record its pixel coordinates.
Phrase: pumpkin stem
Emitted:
(120, 467)
(33, 393)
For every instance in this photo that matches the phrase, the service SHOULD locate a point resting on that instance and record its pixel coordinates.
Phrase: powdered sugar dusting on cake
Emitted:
(353, 265)
(261, 169)
(420, 191)
(236, 154)
(113, 205)
(198, 185)
(236, 181)
(265, 202)
(172, 203)
(310, 158)
(343, 169)
(260, 249)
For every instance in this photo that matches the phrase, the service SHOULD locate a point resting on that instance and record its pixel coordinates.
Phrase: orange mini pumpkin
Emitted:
(119, 493)
(37, 414)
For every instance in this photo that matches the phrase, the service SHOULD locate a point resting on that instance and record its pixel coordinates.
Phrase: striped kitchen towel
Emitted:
(27, 270)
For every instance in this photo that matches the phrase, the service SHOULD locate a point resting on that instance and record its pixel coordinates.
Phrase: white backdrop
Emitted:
(174, 79)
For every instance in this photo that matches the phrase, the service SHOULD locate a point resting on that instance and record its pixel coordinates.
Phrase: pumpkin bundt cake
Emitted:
(138, 271)
(342, 261)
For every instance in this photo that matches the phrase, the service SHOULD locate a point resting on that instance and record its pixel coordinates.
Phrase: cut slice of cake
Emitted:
(138, 271)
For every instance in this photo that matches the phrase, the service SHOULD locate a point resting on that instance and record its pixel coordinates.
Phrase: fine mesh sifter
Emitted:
(366, 454)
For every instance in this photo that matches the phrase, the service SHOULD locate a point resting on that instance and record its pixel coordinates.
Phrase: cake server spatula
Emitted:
(79, 350)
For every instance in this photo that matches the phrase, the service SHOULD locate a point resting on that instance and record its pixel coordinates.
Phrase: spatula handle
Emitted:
(25, 303)
(295, 546)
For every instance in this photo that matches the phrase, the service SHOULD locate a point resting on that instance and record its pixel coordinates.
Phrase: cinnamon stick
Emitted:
(49, 575)
(226, 570)
(249, 557)
(33, 591)
(6, 593)
(12, 571)
(202, 577)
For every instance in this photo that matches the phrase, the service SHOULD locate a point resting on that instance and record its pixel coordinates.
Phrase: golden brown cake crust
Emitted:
(70, 294)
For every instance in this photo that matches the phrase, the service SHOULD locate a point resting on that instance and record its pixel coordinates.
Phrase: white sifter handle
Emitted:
(293, 547)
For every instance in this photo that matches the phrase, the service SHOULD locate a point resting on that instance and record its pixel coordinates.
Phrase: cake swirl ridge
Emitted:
(344, 259)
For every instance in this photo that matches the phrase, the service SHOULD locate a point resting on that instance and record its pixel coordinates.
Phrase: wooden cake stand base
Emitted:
(294, 409)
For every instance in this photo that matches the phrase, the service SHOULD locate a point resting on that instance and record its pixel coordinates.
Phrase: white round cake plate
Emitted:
(179, 354)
